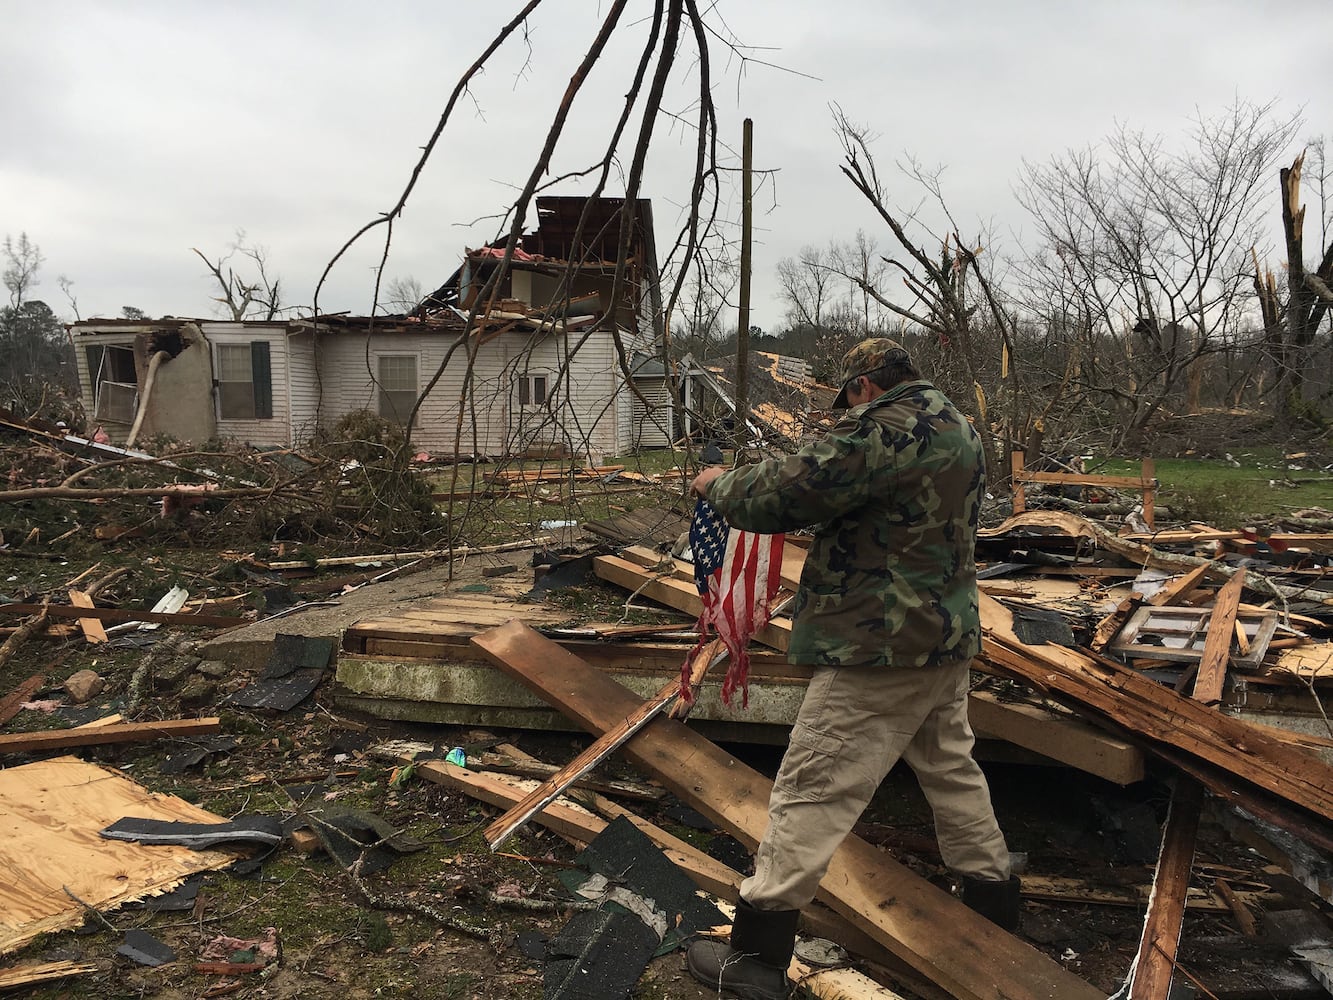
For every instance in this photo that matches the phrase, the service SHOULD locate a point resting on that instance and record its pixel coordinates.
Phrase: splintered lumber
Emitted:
(127, 732)
(1212, 673)
(42, 972)
(1140, 554)
(1178, 589)
(1167, 720)
(575, 822)
(1154, 964)
(932, 932)
(605, 745)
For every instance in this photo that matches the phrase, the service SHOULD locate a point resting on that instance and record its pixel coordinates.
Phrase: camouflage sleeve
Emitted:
(825, 479)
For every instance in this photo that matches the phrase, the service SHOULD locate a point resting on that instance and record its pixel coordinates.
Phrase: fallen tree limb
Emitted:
(459, 550)
(9, 705)
(122, 615)
(41, 614)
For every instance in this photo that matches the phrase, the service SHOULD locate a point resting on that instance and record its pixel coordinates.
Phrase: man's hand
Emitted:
(702, 480)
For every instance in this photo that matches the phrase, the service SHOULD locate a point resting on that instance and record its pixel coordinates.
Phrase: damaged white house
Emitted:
(544, 378)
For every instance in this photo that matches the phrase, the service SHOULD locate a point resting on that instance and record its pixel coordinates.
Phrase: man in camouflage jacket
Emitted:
(887, 615)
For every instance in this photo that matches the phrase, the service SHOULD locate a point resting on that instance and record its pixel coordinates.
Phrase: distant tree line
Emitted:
(1146, 290)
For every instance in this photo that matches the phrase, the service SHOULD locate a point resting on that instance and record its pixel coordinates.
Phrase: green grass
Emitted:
(1255, 485)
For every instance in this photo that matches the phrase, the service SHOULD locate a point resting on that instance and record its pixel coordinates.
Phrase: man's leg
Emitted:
(852, 726)
(969, 836)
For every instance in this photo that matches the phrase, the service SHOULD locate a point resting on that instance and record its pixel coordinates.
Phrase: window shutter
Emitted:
(262, 377)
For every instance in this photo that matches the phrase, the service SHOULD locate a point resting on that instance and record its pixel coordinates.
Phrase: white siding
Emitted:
(302, 386)
(652, 424)
(275, 430)
(492, 425)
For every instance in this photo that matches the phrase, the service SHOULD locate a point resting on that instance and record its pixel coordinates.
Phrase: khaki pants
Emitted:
(853, 726)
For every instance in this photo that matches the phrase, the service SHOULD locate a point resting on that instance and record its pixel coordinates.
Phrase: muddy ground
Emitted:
(452, 920)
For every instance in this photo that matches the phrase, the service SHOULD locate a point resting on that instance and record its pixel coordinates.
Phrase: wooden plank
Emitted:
(1067, 739)
(605, 745)
(1111, 691)
(9, 705)
(930, 930)
(679, 595)
(392, 557)
(1179, 588)
(1154, 965)
(1090, 479)
(574, 821)
(1212, 675)
(42, 972)
(92, 628)
(127, 732)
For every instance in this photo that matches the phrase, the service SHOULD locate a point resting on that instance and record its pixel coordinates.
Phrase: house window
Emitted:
(244, 381)
(531, 390)
(115, 386)
(398, 385)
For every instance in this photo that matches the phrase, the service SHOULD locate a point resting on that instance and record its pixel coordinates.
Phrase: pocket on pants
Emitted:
(809, 766)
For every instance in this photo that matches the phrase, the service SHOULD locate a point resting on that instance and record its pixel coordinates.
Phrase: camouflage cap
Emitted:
(868, 356)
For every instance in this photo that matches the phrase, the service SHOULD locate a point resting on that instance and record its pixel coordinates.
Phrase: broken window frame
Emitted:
(395, 397)
(115, 383)
(1188, 626)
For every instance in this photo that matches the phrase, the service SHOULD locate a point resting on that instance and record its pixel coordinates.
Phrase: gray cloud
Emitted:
(138, 130)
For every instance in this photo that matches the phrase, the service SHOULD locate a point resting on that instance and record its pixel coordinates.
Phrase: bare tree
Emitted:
(700, 329)
(939, 287)
(1291, 324)
(23, 259)
(254, 294)
(36, 358)
(402, 295)
(1148, 249)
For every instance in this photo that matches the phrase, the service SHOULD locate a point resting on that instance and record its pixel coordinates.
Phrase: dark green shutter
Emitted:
(262, 377)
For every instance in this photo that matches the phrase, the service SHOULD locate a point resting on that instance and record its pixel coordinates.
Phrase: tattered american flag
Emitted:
(737, 573)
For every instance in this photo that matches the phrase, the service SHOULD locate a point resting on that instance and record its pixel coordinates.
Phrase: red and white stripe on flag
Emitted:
(738, 599)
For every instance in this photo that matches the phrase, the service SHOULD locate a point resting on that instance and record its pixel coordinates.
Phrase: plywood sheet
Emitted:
(50, 815)
(448, 617)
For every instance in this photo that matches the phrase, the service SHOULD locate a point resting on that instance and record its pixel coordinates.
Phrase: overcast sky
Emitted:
(135, 131)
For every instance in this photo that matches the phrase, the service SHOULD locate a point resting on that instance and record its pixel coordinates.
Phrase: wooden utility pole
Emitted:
(743, 324)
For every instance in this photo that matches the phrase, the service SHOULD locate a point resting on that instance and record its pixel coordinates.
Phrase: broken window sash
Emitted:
(397, 376)
(115, 385)
(1179, 633)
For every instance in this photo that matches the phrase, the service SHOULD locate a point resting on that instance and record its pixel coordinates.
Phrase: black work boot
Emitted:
(998, 901)
(754, 965)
